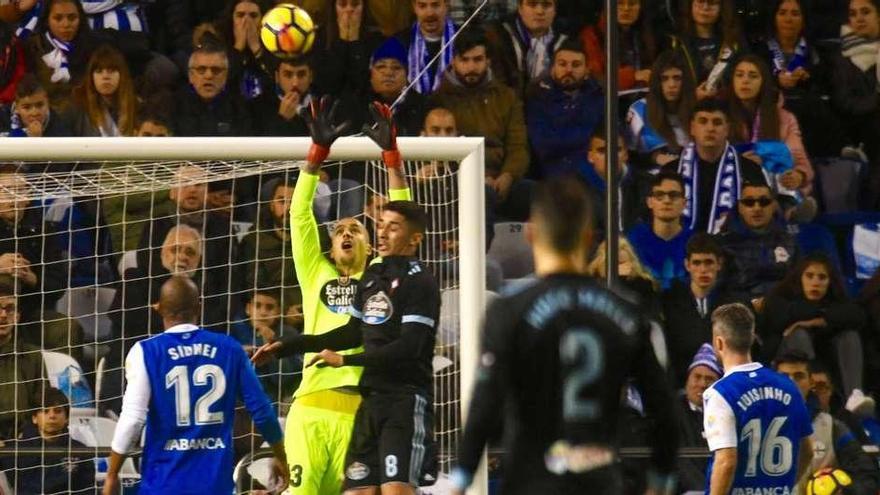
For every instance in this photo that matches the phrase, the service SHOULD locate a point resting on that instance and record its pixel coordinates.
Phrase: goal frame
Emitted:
(468, 151)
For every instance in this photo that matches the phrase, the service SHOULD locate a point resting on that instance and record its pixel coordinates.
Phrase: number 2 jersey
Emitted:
(555, 358)
(760, 413)
(185, 383)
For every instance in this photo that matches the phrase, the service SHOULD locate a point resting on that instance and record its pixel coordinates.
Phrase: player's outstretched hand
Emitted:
(320, 118)
(265, 353)
(384, 131)
(280, 475)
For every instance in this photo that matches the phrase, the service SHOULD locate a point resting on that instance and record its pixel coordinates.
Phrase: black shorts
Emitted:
(392, 440)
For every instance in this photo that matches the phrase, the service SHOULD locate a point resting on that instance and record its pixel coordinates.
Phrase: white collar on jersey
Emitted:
(183, 327)
(741, 367)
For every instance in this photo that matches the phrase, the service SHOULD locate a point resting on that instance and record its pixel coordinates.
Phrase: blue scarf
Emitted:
(538, 51)
(727, 185)
(57, 59)
(417, 58)
(799, 59)
(28, 22)
(250, 84)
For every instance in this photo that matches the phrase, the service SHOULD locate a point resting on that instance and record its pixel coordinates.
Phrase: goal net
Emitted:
(91, 228)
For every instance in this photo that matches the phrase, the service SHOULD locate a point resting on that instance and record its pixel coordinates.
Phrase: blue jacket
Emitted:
(665, 259)
(756, 261)
(560, 124)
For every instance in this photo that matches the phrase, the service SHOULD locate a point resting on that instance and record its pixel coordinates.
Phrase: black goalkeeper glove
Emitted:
(384, 133)
(319, 119)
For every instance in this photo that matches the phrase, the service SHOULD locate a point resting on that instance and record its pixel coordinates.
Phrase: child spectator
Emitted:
(51, 473)
(263, 324)
(104, 104)
(30, 115)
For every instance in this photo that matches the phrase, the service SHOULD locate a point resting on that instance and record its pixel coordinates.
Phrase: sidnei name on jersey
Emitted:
(182, 351)
(757, 394)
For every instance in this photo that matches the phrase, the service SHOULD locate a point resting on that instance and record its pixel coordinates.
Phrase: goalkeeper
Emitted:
(320, 421)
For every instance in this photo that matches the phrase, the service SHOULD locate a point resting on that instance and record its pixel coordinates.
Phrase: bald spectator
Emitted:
(205, 107)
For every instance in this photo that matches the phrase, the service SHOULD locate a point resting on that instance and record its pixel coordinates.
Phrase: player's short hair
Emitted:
(703, 243)
(562, 207)
(736, 324)
(50, 397)
(658, 179)
(791, 356)
(468, 39)
(415, 216)
(711, 105)
(29, 85)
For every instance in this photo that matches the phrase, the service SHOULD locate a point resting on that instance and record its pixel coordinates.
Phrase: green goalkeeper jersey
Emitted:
(326, 296)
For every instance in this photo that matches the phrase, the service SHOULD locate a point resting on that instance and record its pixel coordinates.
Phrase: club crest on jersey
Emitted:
(377, 309)
(357, 471)
(338, 294)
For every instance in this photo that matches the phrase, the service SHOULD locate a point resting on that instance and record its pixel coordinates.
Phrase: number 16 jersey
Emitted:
(760, 413)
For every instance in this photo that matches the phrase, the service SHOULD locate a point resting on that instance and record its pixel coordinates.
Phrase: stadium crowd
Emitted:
(749, 152)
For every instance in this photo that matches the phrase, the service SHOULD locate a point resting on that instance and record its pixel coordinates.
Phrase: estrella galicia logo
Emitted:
(377, 309)
(338, 294)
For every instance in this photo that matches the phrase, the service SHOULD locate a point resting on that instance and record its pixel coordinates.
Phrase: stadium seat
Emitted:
(838, 181)
(66, 374)
(97, 431)
(511, 250)
(129, 260)
(447, 328)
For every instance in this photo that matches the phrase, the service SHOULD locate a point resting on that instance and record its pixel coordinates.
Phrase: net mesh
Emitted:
(86, 246)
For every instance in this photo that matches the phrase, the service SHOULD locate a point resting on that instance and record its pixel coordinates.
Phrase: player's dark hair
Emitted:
(667, 175)
(703, 243)
(415, 216)
(563, 209)
(470, 39)
(29, 85)
(791, 356)
(50, 397)
(736, 323)
(711, 105)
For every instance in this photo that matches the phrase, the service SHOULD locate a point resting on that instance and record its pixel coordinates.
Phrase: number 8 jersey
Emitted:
(189, 381)
(761, 414)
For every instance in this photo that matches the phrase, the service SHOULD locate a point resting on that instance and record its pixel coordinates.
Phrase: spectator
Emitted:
(657, 122)
(51, 473)
(22, 373)
(638, 286)
(261, 324)
(265, 250)
(633, 187)
(708, 39)
(432, 31)
(205, 107)
(104, 104)
(279, 109)
(483, 106)
(759, 249)
(12, 63)
(661, 245)
(60, 51)
(800, 74)
(712, 170)
(28, 249)
(822, 387)
(756, 115)
(344, 46)
(524, 44)
(562, 111)
(388, 68)
(30, 115)
(638, 47)
(834, 445)
(250, 66)
(688, 305)
(809, 311)
(703, 371)
(218, 249)
(854, 88)
(128, 214)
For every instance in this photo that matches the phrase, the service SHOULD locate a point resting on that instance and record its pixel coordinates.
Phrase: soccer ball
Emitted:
(287, 31)
(828, 481)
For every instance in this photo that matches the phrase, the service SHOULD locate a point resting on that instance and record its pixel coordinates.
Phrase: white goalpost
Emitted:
(446, 176)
